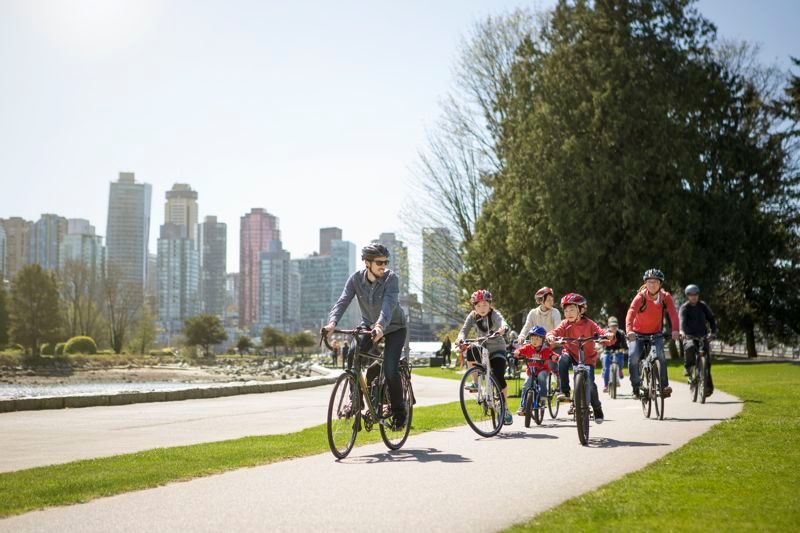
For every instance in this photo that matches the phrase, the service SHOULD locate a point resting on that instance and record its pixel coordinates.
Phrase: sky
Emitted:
(313, 110)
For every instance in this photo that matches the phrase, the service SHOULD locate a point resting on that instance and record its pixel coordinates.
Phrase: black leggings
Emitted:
(392, 351)
(497, 360)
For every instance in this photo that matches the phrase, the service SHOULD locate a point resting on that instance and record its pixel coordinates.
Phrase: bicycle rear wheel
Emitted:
(395, 439)
(485, 409)
(344, 415)
(528, 408)
(613, 382)
(552, 391)
(658, 397)
(581, 409)
(644, 389)
(701, 378)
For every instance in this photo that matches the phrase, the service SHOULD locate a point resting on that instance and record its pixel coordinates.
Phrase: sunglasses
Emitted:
(380, 262)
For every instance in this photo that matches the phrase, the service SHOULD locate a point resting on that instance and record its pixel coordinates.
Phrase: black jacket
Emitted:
(694, 317)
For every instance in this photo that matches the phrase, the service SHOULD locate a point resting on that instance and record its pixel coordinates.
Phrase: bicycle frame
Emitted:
(487, 368)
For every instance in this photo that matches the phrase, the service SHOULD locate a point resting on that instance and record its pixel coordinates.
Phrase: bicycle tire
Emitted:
(538, 413)
(581, 409)
(480, 413)
(343, 421)
(614, 383)
(693, 379)
(644, 389)
(552, 402)
(657, 390)
(394, 440)
(701, 378)
(528, 408)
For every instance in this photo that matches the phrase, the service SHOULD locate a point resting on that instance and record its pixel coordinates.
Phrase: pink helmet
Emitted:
(481, 295)
(573, 298)
(542, 293)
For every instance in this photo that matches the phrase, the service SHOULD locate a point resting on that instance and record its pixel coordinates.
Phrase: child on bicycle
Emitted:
(575, 324)
(615, 350)
(534, 348)
(646, 317)
(486, 319)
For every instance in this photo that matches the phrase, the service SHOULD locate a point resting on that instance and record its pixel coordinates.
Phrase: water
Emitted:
(15, 391)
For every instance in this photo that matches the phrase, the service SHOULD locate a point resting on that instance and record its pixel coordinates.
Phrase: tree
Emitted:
(302, 340)
(204, 330)
(4, 319)
(144, 334)
(79, 287)
(244, 344)
(121, 302)
(34, 308)
(274, 338)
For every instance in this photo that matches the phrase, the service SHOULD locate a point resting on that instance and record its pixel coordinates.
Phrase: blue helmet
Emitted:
(538, 331)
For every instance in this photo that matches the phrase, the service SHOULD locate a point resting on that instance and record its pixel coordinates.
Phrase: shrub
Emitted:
(59, 349)
(47, 349)
(82, 345)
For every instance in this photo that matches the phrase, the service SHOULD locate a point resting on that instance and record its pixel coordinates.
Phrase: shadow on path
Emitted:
(614, 443)
(524, 435)
(421, 455)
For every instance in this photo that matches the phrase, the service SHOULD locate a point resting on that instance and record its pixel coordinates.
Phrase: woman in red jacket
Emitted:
(576, 325)
(646, 316)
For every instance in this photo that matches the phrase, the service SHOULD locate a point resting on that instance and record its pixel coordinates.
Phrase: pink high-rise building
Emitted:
(259, 233)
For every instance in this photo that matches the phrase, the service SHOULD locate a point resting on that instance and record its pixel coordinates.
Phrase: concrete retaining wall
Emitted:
(124, 398)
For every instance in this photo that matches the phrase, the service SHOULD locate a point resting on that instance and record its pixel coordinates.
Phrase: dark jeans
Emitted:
(565, 363)
(690, 353)
(393, 349)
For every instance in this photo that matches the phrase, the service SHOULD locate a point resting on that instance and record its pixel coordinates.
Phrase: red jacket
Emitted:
(650, 319)
(528, 352)
(582, 327)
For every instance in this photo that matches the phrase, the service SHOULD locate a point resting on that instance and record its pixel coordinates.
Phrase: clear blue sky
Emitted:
(297, 107)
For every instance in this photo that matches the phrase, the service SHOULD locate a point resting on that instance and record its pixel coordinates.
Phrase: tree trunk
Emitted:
(750, 340)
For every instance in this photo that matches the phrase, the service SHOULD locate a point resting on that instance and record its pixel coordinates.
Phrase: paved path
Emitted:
(36, 438)
(423, 486)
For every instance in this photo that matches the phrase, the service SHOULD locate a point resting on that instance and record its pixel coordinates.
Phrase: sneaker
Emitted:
(621, 374)
(564, 397)
(666, 392)
(509, 419)
(472, 387)
(520, 412)
(399, 420)
(605, 388)
(686, 372)
(598, 415)
(636, 392)
(571, 410)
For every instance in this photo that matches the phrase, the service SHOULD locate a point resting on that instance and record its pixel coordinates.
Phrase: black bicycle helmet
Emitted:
(653, 273)
(371, 251)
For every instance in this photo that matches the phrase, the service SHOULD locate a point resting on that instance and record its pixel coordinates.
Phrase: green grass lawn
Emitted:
(81, 481)
(743, 475)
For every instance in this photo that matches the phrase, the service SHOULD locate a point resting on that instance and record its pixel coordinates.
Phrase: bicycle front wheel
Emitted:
(528, 408)
(644, 390)
(394, 439)
(693, 380)
(701, 378)
(581, 409)
(484, 409)
(344, 416)
(552, 391)
(658, 397)
(538, 412)
(613, 382)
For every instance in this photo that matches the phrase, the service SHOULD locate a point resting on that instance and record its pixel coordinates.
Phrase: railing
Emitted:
(718, 347)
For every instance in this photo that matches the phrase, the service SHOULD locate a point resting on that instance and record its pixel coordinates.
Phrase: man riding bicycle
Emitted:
(646, 317)
(378, 291)
(694, 315)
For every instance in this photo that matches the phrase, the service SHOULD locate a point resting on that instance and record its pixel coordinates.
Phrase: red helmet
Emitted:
(573, 298)
(542, 293)
(481, 295)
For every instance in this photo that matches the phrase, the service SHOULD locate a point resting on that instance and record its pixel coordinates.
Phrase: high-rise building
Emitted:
(17, 230)
(44, 241)
(181, 208)
(441, 266)
(326, 237)
(280, 292)
(82, 245)
(178, 278)
(259, 233)
(398, 259)
(128, 229)
(231, 314)
(212, 244)
(322, 279)
(3, 259)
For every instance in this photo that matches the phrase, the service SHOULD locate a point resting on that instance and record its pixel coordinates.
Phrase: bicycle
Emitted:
(613, 380)
(351, 394)
(700, 375)
(553, 387)
(581, 390)
(486, 410)
(650, 374)
(534, 406)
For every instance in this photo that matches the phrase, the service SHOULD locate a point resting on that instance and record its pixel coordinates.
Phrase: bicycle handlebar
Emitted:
(478, 340)
(355, 332)
(579, 340)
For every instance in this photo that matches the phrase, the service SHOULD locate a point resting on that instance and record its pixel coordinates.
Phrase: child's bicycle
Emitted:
(582, 388)
(351, 394)
(650, 371)
(534, 401)
(699, 378)
(613, 379)
(553, 386)
(483, 405)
